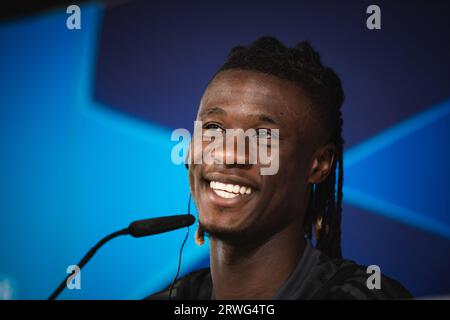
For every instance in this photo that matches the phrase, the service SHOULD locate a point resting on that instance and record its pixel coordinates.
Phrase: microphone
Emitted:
(137, 229)
(148, 227)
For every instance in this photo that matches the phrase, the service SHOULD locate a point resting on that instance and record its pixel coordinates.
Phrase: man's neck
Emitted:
(255, 272)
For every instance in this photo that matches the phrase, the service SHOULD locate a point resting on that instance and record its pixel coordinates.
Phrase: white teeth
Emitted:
(224, 194)
(229, 191)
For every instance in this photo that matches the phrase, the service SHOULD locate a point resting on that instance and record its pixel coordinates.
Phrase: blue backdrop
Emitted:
(86, 117)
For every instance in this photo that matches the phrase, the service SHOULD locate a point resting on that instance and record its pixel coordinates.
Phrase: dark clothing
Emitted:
(316, 276)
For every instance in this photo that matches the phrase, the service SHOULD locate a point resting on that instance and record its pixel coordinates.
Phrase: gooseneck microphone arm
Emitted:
(86, 258)
(137, 229)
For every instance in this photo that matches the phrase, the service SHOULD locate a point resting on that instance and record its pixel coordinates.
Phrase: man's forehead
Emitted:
(241, 88)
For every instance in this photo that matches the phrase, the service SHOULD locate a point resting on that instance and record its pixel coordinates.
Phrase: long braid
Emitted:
(329, 217)
(340, 194)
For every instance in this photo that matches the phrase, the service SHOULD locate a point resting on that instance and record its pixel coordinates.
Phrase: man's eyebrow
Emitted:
(212, 111)
(267, 118)
(219, 111)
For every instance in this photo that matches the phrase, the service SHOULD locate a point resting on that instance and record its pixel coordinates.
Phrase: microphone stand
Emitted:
(137, 229)
(88, 257)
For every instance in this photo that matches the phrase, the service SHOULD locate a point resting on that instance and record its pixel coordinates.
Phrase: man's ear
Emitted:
(322, 164)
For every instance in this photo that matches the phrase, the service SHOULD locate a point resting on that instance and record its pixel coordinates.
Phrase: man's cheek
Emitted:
(194, 179)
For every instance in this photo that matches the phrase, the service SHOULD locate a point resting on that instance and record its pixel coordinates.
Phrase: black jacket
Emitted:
(316, 277)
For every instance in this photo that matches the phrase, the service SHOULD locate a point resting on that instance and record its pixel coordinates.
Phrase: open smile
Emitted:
(229, 191)
(226, 190)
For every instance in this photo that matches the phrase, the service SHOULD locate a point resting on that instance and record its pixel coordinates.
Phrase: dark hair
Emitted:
(302, 65)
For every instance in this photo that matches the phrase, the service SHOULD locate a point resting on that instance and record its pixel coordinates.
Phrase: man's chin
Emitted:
(226, 234)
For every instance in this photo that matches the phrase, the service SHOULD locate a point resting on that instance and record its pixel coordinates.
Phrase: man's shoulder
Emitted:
(337, 279)
(196, 285)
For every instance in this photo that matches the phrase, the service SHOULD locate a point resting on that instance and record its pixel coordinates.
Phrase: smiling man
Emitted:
(274, 236)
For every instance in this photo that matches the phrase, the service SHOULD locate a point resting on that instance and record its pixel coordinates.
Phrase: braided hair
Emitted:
(302, 65)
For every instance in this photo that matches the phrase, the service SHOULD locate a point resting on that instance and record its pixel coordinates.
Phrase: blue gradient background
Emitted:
(86, 118)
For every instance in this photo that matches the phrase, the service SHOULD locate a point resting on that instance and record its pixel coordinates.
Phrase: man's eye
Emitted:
(264, 133)
(212, 127)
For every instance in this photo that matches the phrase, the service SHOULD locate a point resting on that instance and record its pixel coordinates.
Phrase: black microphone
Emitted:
(137, 229)
(148, 227)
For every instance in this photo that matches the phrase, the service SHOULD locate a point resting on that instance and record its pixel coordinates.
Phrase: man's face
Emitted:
(263, 204)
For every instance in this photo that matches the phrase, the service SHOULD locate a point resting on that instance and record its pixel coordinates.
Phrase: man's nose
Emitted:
(235, 152)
